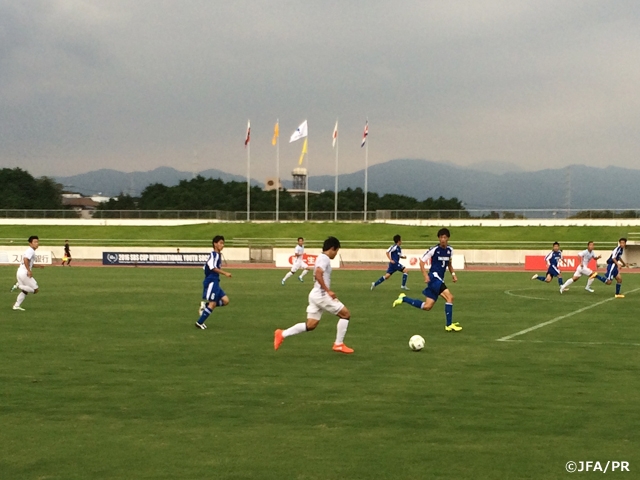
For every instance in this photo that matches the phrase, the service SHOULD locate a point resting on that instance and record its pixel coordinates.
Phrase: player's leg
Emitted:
(575, 277)
(305, 270)
(213, 295)
(69, 258)
(542, 278)
(341, 330)
(559, 275)
(405, 276)
(619, 286)
(290, 273)
(314, 314)
(426, 304)
(448, 311)
(382, 278)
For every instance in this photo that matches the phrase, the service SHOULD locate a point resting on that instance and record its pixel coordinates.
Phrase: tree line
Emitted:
(214, 194)
(20, 190)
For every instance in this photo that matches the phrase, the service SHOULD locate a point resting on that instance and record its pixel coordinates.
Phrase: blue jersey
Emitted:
(616, 255)
(440, 258)
(215, 261)
(553, 258)
(395, 251)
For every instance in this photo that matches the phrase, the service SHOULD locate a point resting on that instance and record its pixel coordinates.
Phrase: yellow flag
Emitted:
(276, 134)
(304, 151)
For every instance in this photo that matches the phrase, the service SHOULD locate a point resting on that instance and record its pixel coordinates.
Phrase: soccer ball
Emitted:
(416, 343)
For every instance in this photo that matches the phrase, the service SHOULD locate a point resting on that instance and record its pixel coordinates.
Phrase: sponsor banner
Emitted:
(14, 257)
(412, 262)
(155, 258)
(285, 260)
(568, 263)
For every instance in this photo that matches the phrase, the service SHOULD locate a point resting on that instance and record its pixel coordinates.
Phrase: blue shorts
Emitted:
(434, 288)
(212, 292)
(554, 271)
(394, 267)
(612, 271)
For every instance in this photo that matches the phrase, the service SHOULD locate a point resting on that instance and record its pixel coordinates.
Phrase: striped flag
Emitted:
(246, 142)
(365, 134)
(335, 134)
(276, 134)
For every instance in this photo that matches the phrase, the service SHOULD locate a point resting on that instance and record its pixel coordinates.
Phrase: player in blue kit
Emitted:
(212, 294)
(553, 266)
(614, 262)
(394, 254)
(440, 257)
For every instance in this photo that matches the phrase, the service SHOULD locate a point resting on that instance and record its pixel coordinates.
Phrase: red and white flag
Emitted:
(335, 134)
(365, 134)
(246, 142)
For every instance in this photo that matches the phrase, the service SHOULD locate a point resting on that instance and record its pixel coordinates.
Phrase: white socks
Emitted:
(20, 299)
(287, 276)
(341, 328)
(296, 329)
(590, 282)
(304, 272)
(567, 283)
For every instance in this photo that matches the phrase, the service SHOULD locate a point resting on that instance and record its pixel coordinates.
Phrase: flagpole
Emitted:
(249, 182)
(335, 209)
(366, 176)
(278, 172)
(306, 186)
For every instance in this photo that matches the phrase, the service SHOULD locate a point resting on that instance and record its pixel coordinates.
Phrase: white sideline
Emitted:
(557, 319)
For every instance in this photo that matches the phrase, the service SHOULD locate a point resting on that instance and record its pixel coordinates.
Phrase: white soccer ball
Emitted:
(416, 343)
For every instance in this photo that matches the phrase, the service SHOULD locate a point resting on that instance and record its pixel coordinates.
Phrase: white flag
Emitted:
(300, 132)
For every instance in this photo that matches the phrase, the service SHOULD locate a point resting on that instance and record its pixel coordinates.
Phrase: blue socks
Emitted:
(618, 287)
(379, 281)
(601, 278)
(404, 279)
(205, 314)
(542, 279)
(448, 311)
(413, 302)
(560, 282)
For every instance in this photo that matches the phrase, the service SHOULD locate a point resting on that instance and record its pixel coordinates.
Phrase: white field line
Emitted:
(509, 292)
(576, 343)
(562, 317)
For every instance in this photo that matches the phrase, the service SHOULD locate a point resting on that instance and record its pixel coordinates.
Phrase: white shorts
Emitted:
(298, 264)
(26, 280)
(319, 303)
(581, 270)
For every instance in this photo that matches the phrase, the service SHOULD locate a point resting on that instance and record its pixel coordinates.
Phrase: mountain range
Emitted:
(486, 185)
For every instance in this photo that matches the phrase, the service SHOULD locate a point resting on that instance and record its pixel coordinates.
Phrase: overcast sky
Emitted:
(133, 85)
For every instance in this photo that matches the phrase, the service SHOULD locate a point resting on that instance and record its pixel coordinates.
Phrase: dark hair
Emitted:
(556, 243)
(444, 231)
(621, 240)
(32, 238)
(589, 242)
(396, 238)
(329, 243)
(217, 238)
(300, 238)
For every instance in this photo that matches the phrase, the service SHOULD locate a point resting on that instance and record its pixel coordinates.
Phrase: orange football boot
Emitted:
(342, 348)
(277, 339)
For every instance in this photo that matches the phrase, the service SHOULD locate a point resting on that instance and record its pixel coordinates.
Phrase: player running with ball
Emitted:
(440, 257)
(321, 299)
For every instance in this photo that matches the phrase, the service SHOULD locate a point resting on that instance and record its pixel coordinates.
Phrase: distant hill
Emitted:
(114, 182)
(590, 187)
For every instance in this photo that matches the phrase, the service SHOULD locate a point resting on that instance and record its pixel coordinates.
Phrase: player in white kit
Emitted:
(583, 269)
(26, 283)
(298, 262)
(321, 299)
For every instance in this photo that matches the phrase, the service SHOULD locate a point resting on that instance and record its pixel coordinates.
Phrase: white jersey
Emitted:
(586, 256)
(299, 251)
(29, 254)
(323, 262)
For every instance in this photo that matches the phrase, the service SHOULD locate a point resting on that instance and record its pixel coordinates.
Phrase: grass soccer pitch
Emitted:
(105, 376)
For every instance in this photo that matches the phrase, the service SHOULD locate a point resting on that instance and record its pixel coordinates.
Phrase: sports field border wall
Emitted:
(347, 255)
(478, 222)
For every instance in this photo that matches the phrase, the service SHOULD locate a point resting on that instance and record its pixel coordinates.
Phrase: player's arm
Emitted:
(222, 272)
(423, 269)
(453, 274)
(25, 261)
(318, 275)
(389, 257)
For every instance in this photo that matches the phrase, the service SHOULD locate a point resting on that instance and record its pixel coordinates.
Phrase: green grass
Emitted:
(358, 235)
(104, 376)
